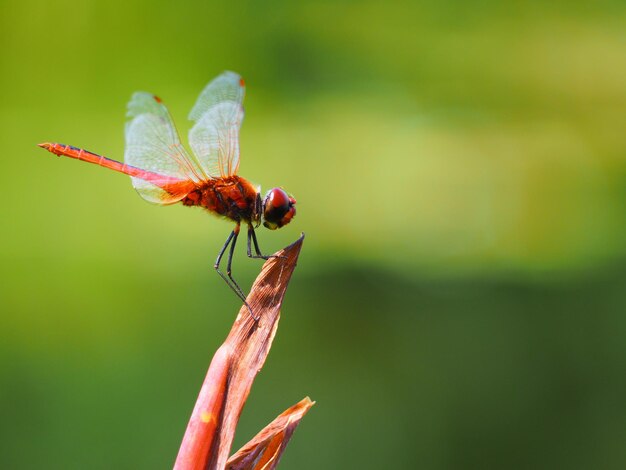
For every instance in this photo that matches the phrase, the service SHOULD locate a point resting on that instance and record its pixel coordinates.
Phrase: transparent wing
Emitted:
(218, 114)
(152, 144)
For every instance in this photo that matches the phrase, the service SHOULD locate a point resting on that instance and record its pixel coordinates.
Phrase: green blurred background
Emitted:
(460, 170)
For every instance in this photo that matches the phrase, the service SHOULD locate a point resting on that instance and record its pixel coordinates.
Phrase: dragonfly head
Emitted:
(278, 208)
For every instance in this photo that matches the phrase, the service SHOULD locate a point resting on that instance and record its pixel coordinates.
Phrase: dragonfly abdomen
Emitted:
(171, 184)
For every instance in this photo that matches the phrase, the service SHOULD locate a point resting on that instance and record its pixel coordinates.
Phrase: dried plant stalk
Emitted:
(211, 428)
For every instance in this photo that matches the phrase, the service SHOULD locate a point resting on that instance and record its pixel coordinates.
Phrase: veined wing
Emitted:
(218, 114)
(152, 143)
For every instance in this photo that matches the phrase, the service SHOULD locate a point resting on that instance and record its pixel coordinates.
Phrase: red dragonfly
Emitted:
(164, 172)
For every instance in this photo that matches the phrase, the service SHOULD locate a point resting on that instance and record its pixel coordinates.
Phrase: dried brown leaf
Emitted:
(211, 428)
(263, 452)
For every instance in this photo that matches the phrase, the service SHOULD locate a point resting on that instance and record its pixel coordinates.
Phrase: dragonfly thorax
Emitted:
(231, 196)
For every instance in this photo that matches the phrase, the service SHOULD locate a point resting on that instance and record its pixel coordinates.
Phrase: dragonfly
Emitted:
(163, 172)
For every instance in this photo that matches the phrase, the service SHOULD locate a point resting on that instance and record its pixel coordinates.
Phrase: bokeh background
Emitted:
(460, 170)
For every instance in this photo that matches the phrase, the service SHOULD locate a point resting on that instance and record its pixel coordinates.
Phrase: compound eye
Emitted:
(278, 208)
(278, 200)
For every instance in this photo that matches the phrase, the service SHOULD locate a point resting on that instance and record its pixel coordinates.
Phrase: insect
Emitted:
(164, 172)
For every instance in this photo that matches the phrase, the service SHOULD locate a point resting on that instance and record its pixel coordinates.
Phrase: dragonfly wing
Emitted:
(152, 144)
(218, 113)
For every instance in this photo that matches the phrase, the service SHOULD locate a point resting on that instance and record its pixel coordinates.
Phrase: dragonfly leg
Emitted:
(228, 278)
(252, 239)
(221, 253)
